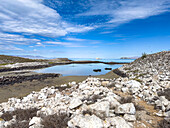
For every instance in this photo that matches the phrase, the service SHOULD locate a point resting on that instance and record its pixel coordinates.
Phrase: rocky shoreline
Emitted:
(39, 65)
(10, 80)
(138, 99)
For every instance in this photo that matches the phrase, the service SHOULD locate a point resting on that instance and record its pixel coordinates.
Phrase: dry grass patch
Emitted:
(20, 114)
(56, 121)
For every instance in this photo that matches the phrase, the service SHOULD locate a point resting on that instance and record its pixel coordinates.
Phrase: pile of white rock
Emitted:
(146, 93)
(152, 67)
(153, 72)
(89, 103)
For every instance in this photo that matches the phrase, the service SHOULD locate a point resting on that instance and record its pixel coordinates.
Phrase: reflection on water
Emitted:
(83, 69)
(78, 69)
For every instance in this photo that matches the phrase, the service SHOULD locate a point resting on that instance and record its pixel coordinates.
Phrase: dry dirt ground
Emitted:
(22, 89)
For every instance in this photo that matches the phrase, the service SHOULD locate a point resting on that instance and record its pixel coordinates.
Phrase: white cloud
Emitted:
(33, 17)
(74, 39)
(121, 11)
(9, 47)
(39, 43)
(6, 38)
(65, 44)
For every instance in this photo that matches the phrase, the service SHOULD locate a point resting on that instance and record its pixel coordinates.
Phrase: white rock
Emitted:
(127, 108)
(63, 85)
(75, 102)
(133, 84)
(125, 89)
(118, 86)
(85, 122)
(1, 113)
(168, 107)
(128, 117)
(146, 93)
(106, 124)
(101, 109)
(118, 122)
(2, 123)
(164, 100)
(113, 102)
(105, 83)
(82, 86)
(8, 123)
(35, 122)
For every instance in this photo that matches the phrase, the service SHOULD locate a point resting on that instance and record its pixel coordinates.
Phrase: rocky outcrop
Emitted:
(153, 67)
(153, 75)
(10, 80)
(26, 65)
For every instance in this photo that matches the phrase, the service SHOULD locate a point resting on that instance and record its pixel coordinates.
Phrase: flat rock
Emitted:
(35, 122)
(130, 118)
(101, 109)
(86, 121)
(118, 122)
(75, 102)
(127, 108)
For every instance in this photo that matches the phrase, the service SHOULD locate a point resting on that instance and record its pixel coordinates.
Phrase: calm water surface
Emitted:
(81, 69)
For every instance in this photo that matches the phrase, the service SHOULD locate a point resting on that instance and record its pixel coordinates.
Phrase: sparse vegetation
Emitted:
(127, 68)
(139, 107)
(163, 124)
(87, 112)
(141, 75)
(144, 55)
(140, 81)
(56, 121)
(135, 71)
(165, 93)
(4, 59)
(111, 85)
(20, 124)
(126, 100)
(95, 97)
(138, 117)
(20, 114)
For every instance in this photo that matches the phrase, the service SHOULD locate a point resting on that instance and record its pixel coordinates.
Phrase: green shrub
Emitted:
(144, 55)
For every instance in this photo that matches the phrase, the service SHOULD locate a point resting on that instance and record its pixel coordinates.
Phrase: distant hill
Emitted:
(135, 57)
(31, 57)
(5, 59)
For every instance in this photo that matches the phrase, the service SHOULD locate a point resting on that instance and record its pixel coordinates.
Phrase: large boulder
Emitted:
(133, 84)
(74, 103)
(118, 122)
(101, 109)
(127, 108)
(86, 121)
(130, 118)
(113, 102)
(35, 122)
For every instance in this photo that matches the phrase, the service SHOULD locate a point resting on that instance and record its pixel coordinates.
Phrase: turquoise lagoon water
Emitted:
(82, 69)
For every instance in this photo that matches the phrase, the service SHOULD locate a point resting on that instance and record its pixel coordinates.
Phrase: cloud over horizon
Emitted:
(42, 22)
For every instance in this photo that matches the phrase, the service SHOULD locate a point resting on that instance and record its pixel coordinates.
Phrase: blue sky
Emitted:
(84, 28)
